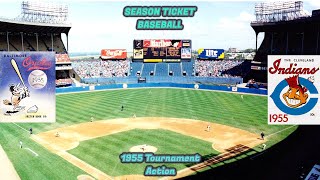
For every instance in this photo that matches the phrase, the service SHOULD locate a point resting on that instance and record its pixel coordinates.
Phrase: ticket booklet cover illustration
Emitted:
(293, 82)
(27, 87)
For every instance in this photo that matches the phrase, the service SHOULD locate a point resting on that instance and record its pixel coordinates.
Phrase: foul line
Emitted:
(21, 127)
(280, 131)
(32, 151)
(269, 136)
(258, 154)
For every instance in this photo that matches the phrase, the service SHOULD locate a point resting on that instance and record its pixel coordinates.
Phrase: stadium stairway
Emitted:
(188, 67)
(147, 68)
(175, 68)
(161, 69)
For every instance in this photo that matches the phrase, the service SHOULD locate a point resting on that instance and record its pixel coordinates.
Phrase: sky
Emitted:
(100, 24)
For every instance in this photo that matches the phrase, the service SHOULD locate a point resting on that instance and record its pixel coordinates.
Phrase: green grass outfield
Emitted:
(107, 149)
(249, 113)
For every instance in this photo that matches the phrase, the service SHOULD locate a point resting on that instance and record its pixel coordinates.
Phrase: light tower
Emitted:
(43, 12)
(279, 11)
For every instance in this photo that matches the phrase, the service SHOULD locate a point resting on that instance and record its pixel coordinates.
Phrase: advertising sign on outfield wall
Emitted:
(211, 54)
(113, 54)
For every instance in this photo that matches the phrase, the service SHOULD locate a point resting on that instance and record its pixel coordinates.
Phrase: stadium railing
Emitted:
(158, 85)
(169, 79)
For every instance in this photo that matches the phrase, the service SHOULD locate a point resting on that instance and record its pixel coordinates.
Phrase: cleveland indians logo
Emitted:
(297, 99)
(296, 95)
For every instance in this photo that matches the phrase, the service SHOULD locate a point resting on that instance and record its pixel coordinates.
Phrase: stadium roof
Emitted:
(297, 25)
(9, 25)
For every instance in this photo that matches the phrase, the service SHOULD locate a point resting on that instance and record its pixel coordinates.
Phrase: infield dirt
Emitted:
(222, 138)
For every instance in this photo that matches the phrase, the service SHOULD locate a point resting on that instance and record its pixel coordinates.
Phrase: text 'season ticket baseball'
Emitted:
(293, 85)
(27, 87)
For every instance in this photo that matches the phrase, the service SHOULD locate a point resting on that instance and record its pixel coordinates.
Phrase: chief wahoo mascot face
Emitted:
(296, 94)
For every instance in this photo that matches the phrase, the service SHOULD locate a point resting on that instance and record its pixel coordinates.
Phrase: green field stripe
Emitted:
(249, 113)
(25, 162)
(107, 149)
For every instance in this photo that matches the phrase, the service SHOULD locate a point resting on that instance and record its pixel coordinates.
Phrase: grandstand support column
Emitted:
(21, 33)
(302, 42)
(67, 42)
(8, 41)
(287, 42)
(257, 41)
(37, 40)
(317, 40)
(51, 42)
(271, 46)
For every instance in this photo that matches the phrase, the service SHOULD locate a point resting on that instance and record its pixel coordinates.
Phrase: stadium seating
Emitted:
(147, 68)
(58, 44)
(217, 68)
(99, 68)
(15, 42)
(114, 72)
(29, 43)
(161, 69)
(175, 68)
(61, 58)
(188, 67)
(135, 67)
(46, 41)
(3, 42)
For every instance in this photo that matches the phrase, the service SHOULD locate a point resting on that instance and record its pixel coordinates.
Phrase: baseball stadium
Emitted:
(162, 97)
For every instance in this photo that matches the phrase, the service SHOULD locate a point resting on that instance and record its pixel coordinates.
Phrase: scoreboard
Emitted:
(173, 52)
(161, 50)
(154, 52)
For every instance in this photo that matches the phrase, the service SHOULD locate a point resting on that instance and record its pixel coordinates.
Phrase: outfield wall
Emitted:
(165, 79)
(160, 85)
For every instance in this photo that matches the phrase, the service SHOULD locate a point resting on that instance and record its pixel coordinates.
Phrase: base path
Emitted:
(222, 137)
(7, 170)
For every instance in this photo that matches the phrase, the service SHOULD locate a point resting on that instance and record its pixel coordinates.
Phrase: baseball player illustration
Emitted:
(19, 91)
(27, 92)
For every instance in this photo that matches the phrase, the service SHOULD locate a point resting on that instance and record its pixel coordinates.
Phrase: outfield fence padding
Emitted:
(164, 85)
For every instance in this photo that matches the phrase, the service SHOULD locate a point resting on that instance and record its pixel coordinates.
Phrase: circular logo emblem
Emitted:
(296, 97)
(37, 79)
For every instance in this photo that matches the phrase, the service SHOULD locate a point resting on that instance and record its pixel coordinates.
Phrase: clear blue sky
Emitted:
(100, 24)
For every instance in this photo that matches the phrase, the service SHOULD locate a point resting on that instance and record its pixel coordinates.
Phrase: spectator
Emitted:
(99, 68)
(215, 68)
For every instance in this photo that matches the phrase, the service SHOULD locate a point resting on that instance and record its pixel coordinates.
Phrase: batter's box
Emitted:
(293, 83)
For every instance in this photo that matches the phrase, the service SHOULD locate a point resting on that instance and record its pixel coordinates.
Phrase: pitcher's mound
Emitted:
(143, 148)
(85, 177)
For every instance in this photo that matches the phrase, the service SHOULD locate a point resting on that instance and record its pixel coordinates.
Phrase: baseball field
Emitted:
(94, 130)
